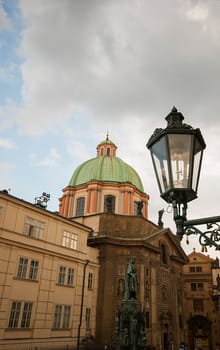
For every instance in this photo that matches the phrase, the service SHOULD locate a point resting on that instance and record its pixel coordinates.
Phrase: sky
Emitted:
(71, 71)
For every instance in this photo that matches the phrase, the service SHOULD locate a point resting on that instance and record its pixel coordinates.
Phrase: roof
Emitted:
(106, 167)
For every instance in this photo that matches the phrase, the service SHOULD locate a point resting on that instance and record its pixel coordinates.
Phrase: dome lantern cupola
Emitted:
(106, 148)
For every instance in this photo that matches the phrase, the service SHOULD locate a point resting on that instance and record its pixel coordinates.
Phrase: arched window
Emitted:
(135, 208)
(163, 254)
(80, 206)
(109, 204)
(108, 151)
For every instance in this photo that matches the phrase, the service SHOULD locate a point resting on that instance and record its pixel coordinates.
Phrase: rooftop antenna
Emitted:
(42, 200)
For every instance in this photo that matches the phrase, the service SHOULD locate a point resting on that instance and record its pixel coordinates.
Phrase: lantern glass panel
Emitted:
(160, 160)
(197, 164)
(180, 147)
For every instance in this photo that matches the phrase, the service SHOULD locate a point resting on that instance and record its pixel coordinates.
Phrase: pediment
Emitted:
(199, 257)
(167, 238)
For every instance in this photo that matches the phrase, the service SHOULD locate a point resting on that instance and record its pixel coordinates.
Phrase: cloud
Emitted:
(8, 73)
(8, 115)
(5, 23)
(50, 160)
(7, 144)
(6, 166)
(114, 58)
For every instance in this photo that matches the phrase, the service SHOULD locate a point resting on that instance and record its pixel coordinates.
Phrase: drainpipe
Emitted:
(82, 302)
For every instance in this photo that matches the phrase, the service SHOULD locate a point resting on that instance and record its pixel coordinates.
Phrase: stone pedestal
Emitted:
(130, 334)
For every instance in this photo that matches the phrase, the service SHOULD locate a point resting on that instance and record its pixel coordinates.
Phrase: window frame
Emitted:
(20, 315)
(80, 206)
(109, 203)
(62, 314)
(34, 228)
(90, 280)
(66, 276)
(27, 268)
(70, 240)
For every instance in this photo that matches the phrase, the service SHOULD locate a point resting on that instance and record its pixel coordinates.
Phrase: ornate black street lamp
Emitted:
(176, 153)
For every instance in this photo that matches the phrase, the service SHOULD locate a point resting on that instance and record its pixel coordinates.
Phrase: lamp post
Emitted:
(176, 153)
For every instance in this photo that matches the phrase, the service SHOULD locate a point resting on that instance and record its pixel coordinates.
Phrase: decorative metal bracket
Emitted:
(210, 237)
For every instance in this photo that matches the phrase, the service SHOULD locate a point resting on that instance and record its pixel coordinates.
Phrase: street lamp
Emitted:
(176, 153)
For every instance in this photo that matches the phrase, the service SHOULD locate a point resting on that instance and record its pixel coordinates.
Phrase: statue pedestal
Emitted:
(130, 326)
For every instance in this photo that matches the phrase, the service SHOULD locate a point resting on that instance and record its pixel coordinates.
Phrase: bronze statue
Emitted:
(131, 281)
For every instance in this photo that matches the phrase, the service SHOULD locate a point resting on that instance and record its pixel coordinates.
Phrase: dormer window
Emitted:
(108, 151)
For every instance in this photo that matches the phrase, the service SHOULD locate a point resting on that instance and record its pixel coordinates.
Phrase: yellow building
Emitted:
(200, 298)
(45, 268)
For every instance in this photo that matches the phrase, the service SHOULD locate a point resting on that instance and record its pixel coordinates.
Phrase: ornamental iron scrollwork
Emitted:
(209, 237)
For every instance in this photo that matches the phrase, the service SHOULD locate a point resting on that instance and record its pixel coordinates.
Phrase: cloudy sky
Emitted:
(70, 70)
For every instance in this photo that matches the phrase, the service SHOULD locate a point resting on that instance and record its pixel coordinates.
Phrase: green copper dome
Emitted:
(106, 167)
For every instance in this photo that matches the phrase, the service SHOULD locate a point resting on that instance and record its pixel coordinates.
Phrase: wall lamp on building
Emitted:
(176, 153)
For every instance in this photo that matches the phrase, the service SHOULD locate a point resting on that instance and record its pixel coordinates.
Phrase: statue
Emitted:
(131, 282)
(130, 320)
(140, 205)
(160, 215)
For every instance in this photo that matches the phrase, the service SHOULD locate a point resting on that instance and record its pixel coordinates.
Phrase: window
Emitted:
(69, 240)
(88, 313)
(57, 316)
(33, 269)
(61, 316)
(66, 316)
(70, 277)
(20, 316)
(109, 204)
(195, 269)
(163, 249)
(62, 274)
(66, 276)
(90, 280)
(22, 268)
(180, 321)
(197, 287)
(27, 268)
(26, 316)
(135, 208)
(198, 305)
(34, 228)
(200, 286)
(80, 206)
(193, 287)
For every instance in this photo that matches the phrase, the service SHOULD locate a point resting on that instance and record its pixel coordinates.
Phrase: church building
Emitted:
(107, 195)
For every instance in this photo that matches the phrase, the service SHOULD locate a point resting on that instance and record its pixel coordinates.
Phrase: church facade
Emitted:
(107, 195)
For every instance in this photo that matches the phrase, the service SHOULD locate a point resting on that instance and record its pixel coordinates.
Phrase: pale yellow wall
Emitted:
(45, 293)
(205, 276)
